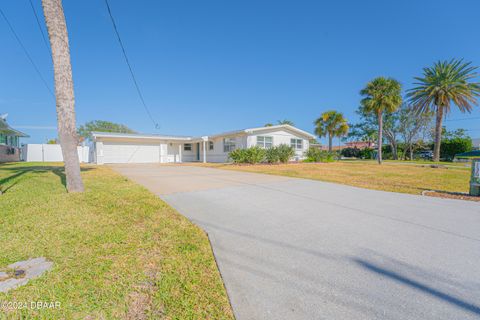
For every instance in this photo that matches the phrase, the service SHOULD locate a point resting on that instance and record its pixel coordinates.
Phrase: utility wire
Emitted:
(26, 52)
(40, 27)
(129, 66)
(461, 119)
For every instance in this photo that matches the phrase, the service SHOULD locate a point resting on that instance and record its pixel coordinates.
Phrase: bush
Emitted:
(350, 152)
(317, 155)
(285, 153)
(450, 147)
(366, 153)
(255, 154)
(250, 155)
(271, 155)
(238, 156)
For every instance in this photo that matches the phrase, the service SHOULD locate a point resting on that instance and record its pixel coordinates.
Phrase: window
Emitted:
(187, 147)
(228, 144)
(210, 145)
(296, 143)
(265, 142)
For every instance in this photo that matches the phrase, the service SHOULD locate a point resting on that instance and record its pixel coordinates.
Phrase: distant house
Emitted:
(352, 144)
(9, 141)
(476, 144)
(148, 148)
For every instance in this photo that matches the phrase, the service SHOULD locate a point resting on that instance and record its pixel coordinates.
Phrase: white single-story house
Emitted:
(149, 148)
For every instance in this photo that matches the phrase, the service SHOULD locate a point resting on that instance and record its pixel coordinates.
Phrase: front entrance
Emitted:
(198, 151)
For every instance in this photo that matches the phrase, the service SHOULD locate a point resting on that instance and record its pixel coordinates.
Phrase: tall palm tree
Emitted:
(332, 124)
(381, 95)
(65, 100)
(445, 83)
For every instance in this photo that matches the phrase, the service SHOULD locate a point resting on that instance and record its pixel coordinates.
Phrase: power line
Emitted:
(462, 119)
(26, 52)
(40, 27)
(129, 66)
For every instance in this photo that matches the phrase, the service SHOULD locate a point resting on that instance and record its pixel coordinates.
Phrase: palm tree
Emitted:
(290, 123)
(65, 100)
(331, 123)
(381, 95)
(445, 83)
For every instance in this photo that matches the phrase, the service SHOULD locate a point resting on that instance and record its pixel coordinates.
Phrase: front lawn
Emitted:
(406, 177)
(118, 251)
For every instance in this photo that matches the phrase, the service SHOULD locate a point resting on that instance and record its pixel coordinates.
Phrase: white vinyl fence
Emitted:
(50, 153)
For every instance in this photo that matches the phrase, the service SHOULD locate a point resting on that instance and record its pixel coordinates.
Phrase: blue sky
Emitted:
(212, 66)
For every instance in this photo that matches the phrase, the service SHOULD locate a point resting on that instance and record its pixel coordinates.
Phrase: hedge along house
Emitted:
(145, 148)
(9, 141)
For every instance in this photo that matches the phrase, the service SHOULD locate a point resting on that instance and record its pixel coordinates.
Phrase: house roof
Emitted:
(189, 138)
(260, 129)
(7, 130)
(139, 136)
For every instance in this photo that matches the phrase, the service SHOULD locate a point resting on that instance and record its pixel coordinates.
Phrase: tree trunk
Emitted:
(394, 151)
(330, 142)
(438, 134)
(380, 137)
(411, 152)
(65, 100)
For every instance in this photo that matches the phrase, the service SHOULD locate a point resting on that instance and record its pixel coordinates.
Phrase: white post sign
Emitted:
(476, 172)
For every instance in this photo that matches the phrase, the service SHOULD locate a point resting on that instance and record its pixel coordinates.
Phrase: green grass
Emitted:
(119, 252)
(405, 177)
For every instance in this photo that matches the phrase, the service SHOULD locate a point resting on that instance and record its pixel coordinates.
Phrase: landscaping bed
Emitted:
(118, 251)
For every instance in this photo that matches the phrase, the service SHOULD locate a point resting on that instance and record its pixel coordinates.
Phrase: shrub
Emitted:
(450, 147)
(238, 156)
(250, 155)
(271, 155)
(285, 153)
(317, 155)
(350, 152)
(366, 153)
(255, 154)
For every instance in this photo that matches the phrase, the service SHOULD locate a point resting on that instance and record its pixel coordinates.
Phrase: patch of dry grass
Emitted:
(391, 176)
(119, 252)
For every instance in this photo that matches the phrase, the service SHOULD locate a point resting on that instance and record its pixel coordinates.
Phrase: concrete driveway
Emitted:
(302, 249)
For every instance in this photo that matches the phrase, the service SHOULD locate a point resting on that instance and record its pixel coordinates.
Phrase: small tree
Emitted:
(332, 124)
(412, 127)
(86, 130)
(454, 142)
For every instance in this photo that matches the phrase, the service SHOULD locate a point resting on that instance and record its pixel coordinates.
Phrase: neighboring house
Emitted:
(143, 148)
(360, 144)
(476, 144)
(9, 141)
(352, 144)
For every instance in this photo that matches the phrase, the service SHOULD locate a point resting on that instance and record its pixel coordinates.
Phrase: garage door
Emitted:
(124, 152)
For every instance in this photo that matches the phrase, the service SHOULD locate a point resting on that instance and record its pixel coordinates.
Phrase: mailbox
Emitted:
(475, 178)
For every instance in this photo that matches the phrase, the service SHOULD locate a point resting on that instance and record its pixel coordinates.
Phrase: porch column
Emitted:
(204, 151)
(180, 153)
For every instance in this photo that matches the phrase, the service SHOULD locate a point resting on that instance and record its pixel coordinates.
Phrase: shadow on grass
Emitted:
(15, 172)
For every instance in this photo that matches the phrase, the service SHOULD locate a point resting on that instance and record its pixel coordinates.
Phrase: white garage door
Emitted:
(124, 152)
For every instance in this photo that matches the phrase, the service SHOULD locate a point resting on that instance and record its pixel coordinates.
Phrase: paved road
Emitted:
(302, 249)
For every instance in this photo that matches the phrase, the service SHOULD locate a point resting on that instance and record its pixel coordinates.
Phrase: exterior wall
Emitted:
(134, 151)
(218, 155)
(51, 153)
(281, 137)
(5, 155)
